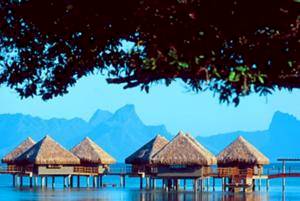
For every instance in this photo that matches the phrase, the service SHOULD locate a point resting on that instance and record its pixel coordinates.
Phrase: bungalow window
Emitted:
(54, 166)
(177, 166)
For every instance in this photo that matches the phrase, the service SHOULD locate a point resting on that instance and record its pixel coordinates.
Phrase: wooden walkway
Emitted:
(284, 175)
(123, 171)
(127, 172)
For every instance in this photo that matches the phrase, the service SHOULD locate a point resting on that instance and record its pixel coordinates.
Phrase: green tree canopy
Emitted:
(232, 47)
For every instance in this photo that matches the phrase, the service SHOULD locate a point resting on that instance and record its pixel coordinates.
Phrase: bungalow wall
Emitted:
(58, 169)
(181, 171)
(66, 170)
(53, 170)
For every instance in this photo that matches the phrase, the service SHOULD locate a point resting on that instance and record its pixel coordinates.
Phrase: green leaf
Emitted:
(216, 73)
(172, 63)
(261, 80)
(183, 64)
(242, 68)
(232, 76)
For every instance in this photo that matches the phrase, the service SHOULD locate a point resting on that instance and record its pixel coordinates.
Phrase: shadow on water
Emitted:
(108, 194)
(206, 196)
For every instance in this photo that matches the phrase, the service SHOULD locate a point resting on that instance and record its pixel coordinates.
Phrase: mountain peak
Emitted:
(280, 118)
(99, 116)
(126, 113)
(127, 108)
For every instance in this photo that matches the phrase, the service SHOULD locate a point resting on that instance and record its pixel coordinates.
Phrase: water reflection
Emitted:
(187, 196)
(125, 195)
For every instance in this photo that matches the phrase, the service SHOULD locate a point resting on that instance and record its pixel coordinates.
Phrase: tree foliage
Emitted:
(232, 47)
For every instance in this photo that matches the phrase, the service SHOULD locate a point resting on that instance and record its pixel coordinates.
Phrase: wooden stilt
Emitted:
(17, 180)
(14, 180)
(46, 181)
(147, 182)
(164, 184)
(177, 182)
(124, 181)
(35, 181)
(101, 181)
(283, 178)
(121, 181)
(42, 181)
(21, 180)
(30, 181)
(53, 181)
(141, 182)
(65, 181)
(259, 184)
(207, 184)
(71, 181)
(195, 185)
(201, 185)
(223, 184)
(78, 181)
(184, 184)
(88, 181)
(169, 184)
(94, 181)
(214, 184)
(253, 185)
(267, 184)
(154, 183)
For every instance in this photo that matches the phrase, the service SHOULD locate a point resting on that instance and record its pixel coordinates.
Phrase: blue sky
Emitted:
(199, 114)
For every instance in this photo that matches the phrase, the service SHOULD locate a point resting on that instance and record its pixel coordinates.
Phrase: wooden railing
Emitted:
(233, 172)
(15, 168)
(84, 169)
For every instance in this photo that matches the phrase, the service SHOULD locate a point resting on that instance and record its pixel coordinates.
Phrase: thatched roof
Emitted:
(24, 146)
(144, 154)
(241, 151)
(183, 149)
(89, 152)
(47, 152)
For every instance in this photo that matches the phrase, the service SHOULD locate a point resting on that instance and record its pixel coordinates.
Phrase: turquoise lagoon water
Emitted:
(132, 192)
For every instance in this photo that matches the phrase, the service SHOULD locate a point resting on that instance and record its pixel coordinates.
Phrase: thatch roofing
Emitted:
(89, 152)
(241, 151)
(24, 146)
(47, 152)
(183, 149)
(144, 154)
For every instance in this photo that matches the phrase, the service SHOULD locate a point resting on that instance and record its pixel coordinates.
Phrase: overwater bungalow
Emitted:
(183, 158)
(47, 157)
(141, 159)
(93, 159)
(241, 162)
(10, 158)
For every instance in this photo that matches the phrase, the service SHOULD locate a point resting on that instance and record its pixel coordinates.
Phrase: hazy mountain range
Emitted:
(119, 133)
(281, 139)
(122, 132)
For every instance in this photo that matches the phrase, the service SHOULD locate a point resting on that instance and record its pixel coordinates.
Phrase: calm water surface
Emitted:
(131, 192)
